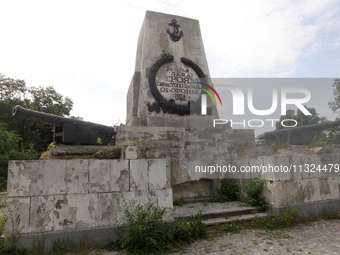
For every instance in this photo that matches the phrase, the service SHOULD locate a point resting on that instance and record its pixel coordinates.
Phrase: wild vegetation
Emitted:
(25, 139)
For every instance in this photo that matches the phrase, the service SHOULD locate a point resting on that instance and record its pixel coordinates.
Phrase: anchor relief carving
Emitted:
(176, 35)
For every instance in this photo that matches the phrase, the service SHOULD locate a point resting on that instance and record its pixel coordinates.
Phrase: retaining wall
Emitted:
(58, 195)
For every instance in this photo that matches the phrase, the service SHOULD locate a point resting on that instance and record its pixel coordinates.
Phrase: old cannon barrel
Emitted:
(70, 131)
(21, 112)
(298, 135)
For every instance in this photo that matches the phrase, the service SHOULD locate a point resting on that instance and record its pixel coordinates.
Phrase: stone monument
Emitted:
(170, 63)
(165, 108)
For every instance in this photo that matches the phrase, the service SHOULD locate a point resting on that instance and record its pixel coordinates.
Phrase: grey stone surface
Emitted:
(81, 194)
(54, 173)
(164, 198)
(213, 210)
(77, 175)
(158, 178)
(41, 214)
(139, 174)
(24, 179)
(216, 221)
(99, 235)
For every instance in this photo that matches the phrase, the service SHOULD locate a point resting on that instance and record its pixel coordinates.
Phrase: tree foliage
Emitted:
(335, 105)
(301, 118)
(20, 138)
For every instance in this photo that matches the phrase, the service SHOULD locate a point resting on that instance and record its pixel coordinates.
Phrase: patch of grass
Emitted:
(112, 153)
(179, 202)
(139, 142)
(232, 227)
(149, 230)
(272, 224)
(7, 244)
(2, 222)
(331, 215)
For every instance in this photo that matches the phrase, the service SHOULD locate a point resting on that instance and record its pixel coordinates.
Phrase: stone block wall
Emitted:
(52, 195)
(307, 181)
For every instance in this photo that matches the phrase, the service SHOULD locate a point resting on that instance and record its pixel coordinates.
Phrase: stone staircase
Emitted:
(219, 213)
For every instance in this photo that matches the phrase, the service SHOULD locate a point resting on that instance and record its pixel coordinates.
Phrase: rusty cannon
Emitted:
(67, 130)
(298, 135)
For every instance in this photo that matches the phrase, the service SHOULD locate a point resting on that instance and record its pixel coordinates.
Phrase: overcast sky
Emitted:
(87, 49)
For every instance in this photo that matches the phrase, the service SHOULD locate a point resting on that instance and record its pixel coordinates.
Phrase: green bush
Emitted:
(229, 190)
(253, 191)
(147, 232)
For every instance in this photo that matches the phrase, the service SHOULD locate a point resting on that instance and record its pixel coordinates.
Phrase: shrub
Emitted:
(147, 232)
(253, 191)
(229, 191)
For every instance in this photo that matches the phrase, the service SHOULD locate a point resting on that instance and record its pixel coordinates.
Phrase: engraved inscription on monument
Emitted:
(175, 86)
(179, 83)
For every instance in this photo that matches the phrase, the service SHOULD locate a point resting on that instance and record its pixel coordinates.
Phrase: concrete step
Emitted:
(215, 210)
(217, 221)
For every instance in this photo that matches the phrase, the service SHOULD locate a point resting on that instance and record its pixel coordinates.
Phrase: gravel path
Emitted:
(320, 237)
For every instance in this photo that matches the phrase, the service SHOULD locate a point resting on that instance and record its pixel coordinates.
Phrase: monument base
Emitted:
(186, 149)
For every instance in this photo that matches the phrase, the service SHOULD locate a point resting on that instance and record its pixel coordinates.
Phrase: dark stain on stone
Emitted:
(59, 202)
(39, 209)
(124, 175)
(309, 190)
(324, 187)
(65, 222)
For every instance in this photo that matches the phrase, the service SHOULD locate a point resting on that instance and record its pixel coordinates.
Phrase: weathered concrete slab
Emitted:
(246, 217)
(139, 174)
(164, 198)
(41, 214)
(24, 179)
(54, 172)
(77, 175)
(158, 178)
(214, 210)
